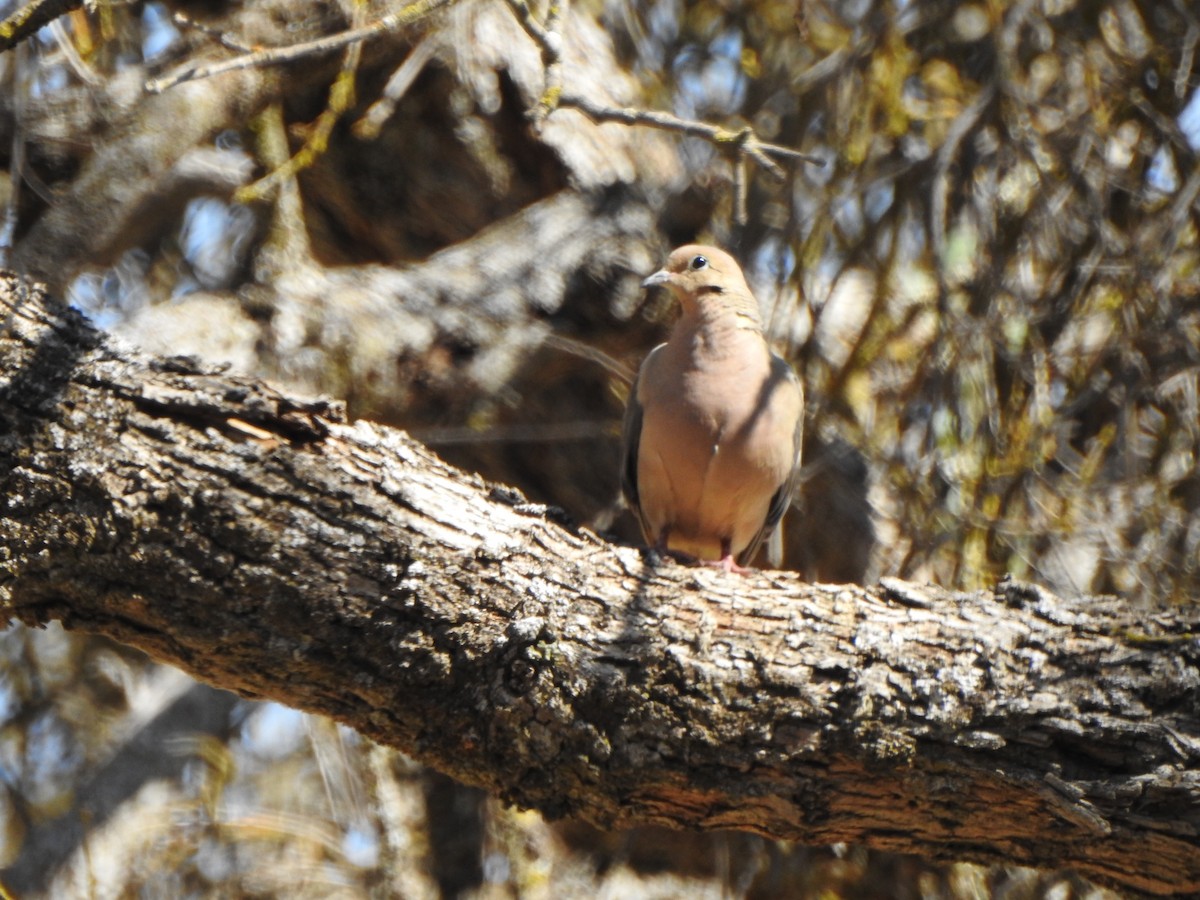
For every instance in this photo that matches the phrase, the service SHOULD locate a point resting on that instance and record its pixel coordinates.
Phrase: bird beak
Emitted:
(662, 276)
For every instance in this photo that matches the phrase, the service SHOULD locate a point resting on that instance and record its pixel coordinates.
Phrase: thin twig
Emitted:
(1187, 56)
(592, 354)
(33, 181)
(531, 25)
(533, 433)
(740, 191)
(277, 56)
(743, 140)
(551, 62)
(63, 40)
(548, 37)
(286, 246)
(341, 98)
(224, 38)
(371, 122)
(947, 153)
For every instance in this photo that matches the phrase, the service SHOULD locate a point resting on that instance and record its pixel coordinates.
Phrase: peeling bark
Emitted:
(266, 545)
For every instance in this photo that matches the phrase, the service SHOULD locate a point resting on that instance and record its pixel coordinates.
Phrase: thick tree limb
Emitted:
(264, 545)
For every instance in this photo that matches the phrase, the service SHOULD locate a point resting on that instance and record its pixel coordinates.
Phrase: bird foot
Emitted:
(728, 565)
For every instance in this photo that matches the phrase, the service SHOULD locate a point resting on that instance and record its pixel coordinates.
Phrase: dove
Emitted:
(712, 430)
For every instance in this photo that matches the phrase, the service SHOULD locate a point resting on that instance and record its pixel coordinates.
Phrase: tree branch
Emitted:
(549, 39)
(742, 141)
(265, 545)
(278, 56)
(26, 19)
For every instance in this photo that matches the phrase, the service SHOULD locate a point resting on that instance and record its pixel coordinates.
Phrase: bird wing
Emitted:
(631, 438)
(782, 498)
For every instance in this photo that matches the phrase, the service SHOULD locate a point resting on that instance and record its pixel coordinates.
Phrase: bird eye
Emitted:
(699, 262)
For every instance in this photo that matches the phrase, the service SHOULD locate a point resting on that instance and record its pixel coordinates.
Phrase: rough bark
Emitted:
(266, 546)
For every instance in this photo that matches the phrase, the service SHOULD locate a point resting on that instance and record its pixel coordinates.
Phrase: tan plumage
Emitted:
(713, 425)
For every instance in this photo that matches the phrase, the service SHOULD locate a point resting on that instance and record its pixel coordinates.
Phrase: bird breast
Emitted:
(710, 456)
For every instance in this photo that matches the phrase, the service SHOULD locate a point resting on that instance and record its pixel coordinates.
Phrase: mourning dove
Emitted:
(713, 426)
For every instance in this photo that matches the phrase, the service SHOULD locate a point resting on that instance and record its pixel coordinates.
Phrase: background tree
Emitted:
(989, 286)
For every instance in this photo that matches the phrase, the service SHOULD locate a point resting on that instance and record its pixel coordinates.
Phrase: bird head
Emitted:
(695, 272)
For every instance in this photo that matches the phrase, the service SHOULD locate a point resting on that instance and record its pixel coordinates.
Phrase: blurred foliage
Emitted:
(992, 288)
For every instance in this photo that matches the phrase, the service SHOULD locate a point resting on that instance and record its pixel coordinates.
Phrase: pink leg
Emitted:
(727, 563)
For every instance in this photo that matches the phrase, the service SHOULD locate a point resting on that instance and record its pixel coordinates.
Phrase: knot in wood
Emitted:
(521, 676)
(529, 643)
